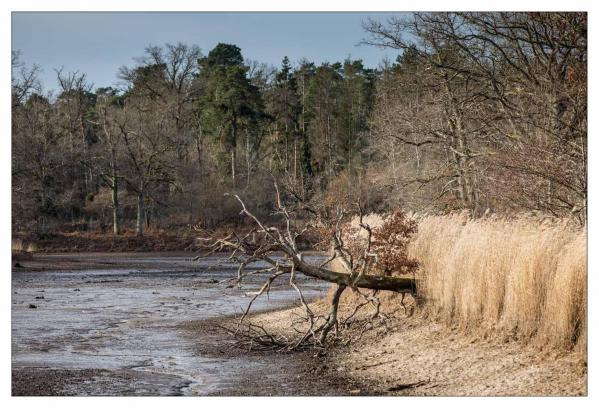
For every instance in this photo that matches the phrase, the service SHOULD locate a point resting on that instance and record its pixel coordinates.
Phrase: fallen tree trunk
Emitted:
(376, 282)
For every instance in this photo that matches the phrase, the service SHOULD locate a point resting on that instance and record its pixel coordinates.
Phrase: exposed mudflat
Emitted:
(115, 324)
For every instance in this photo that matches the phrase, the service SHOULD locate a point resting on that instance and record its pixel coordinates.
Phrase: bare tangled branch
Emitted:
(273, 251)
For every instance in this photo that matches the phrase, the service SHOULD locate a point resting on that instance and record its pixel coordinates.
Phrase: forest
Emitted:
(483, 112)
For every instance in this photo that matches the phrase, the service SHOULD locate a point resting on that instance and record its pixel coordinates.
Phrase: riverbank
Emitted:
(99, 241)
(24, 245)
(413, 356)
(147, 324)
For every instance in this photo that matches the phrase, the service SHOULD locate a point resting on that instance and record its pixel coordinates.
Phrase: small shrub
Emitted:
(390, 243)
(391, 235)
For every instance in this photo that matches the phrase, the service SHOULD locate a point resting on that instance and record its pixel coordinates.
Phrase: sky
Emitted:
(99, 43)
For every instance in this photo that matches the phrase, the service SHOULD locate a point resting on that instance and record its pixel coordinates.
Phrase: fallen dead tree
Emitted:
(276, 247)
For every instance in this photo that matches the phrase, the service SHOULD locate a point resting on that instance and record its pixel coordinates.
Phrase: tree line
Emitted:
(479, 111)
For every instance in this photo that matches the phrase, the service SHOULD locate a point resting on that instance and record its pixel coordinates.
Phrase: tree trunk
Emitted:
(248, 160)
(460, 149)
(191, 211)
(329, 147)
(198, 140)
(295, 160)
(233, 148)
(139, 227)
(115, 205)
(233, 167)
(391, 283)
(332, 320)
(115, 189)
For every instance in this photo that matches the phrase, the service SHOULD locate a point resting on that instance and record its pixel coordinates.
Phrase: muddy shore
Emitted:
(135, 324)
(99, 324)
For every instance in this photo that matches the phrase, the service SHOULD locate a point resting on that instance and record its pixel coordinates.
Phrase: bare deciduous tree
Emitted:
(511, 112)
(24, 81)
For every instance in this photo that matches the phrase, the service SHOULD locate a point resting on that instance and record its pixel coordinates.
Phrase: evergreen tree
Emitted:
(229, 102)
(284, 106)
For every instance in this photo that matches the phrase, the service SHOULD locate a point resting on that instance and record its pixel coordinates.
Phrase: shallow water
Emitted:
(127, 320)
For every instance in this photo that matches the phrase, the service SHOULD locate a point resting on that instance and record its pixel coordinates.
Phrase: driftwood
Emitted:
(376, 282)
(277, 248)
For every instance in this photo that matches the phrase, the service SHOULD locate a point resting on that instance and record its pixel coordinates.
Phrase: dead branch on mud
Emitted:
(273, 252)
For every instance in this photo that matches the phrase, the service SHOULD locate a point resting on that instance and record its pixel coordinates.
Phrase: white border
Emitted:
(298, 5)
(271, 5)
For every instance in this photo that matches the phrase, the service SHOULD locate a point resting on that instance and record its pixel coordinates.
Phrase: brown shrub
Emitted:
(390, 243)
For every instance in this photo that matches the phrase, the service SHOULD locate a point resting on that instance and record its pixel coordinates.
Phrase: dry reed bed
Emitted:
(523, 277)
(18, 245)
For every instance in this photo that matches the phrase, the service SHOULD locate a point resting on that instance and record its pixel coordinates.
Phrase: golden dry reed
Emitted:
(525, 277)
(19, 246)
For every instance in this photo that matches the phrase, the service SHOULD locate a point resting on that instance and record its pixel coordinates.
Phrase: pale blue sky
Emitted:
(99, 43)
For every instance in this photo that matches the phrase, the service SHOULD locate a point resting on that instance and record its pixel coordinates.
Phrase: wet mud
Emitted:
(118, 324)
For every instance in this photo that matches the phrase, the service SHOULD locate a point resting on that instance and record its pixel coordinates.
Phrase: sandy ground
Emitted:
(422, 358)
(415, 356)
